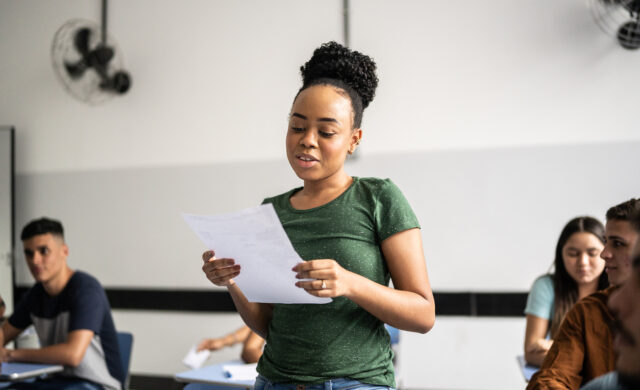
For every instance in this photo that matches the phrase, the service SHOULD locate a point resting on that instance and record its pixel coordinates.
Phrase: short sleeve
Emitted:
(88, 308)
(540, 299)
(20, 318)
(393, 214)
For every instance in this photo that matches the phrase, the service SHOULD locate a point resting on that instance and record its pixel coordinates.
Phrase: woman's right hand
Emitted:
(219, 271)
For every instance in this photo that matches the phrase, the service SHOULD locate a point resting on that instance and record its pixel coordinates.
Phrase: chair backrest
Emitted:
(125, 344)
(394, 333)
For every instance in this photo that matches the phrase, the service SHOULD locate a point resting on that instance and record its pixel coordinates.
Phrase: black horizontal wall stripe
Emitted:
(483, 304)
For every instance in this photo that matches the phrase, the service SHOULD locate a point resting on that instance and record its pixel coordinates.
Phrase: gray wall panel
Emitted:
(490, 218)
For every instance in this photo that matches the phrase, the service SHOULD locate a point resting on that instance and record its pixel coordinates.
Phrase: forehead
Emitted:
(40, 240)
(322, 101)
(620, 229)
(583, 240)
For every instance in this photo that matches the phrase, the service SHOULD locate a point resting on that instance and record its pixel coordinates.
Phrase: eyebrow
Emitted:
(593, 248)
(40, 248)
(616, 238)
(324, 119)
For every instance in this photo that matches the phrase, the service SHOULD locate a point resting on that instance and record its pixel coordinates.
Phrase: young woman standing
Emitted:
(355, 235)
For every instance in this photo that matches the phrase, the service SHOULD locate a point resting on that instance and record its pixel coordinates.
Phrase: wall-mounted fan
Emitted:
(88, 61)
(619, 18)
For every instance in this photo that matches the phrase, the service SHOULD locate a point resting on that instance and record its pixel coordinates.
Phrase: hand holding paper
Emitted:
(196, 359)
(254, 243)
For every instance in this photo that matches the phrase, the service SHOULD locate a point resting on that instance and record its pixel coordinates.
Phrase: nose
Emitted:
(584, 259)
(36, 258)
(606, 253)
(309, 138)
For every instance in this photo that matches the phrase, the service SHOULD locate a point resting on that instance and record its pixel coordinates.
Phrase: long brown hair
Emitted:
(564, 287)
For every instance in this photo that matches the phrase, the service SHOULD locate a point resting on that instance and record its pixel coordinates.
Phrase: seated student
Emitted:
(578, 273)
(625, 306)
(582, 349)
(251, 343)
(71, 315)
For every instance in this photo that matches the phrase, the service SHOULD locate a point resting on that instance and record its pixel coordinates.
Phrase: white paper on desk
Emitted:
(241, 372)
(256, 240)
(195, 359)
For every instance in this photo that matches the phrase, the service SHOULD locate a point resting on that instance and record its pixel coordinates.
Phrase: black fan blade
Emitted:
(101, 56)
(76, 70)
(81, 41)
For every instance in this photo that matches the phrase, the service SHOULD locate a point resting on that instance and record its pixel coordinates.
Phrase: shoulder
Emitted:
(82, 281)
(377, 189)
(33, 295)
(540, 298)
(591, 309)
(373, 184)
(543, 283)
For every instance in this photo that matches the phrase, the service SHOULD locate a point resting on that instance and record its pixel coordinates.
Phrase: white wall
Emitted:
(463, 74)
(213, 81)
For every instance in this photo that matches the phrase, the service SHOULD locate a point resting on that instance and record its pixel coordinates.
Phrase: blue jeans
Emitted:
(263, 383)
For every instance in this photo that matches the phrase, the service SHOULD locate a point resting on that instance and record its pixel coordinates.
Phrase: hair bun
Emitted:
(334, 61)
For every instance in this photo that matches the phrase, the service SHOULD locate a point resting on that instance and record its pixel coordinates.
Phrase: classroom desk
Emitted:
(12, 372)
(214, 375)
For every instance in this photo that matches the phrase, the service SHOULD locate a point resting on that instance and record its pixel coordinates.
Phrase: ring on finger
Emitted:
(323, 285)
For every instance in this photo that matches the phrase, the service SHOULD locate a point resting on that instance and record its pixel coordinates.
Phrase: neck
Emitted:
(587, 289)
(55, 285)
(328, 186)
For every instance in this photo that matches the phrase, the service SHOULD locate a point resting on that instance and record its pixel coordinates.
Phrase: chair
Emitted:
(125, 344)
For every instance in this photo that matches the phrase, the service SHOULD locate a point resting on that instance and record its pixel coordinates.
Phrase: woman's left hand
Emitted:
(329, 279)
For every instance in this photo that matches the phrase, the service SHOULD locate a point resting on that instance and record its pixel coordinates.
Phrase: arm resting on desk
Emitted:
(69, 353)
(8, 333)
(536, 345)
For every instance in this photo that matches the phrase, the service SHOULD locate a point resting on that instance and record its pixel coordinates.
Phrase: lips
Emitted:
(305, 160)
(305, 157)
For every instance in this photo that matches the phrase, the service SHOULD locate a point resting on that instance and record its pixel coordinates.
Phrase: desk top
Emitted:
(214, 375)
(18, 371)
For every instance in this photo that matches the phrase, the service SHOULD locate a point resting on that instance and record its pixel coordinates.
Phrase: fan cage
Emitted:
(618, 18)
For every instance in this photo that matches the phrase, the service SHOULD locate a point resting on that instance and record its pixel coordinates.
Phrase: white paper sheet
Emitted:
(241, 372)
(256, 240)
(195, 359)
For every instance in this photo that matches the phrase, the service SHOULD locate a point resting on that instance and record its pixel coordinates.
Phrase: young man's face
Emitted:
(621, 239)
(46, 256)
(625, 305)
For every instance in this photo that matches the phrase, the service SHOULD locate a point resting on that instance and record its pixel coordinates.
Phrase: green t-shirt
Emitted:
(315, 343)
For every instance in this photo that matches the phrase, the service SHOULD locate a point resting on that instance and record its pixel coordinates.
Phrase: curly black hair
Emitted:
(351, 71)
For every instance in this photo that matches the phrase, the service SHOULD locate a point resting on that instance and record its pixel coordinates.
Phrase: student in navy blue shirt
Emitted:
(71, 314)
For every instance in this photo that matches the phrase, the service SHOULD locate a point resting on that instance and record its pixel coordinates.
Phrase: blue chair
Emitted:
(125, 344)
(394, 333)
